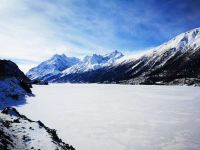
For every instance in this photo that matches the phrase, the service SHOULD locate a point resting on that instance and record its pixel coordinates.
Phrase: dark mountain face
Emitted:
(9, 69)
(183, 68)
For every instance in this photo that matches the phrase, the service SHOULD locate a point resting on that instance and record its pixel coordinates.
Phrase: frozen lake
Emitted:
(119, 117)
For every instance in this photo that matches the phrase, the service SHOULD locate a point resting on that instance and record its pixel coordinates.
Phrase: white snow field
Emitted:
(119, 117)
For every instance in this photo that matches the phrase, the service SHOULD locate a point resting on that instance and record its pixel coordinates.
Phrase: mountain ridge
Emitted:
(174, 62)
(54, 65)
(50, 67)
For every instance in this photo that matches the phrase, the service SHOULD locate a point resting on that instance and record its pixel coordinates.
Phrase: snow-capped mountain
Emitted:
(93, 62)
(174, 62)
(113, 56)
(53, 66)
(158, 56)
(60, 65)
(181, 43)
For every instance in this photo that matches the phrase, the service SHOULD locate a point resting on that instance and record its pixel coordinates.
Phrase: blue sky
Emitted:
(33, 30)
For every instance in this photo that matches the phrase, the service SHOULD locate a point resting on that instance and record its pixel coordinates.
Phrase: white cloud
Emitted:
(35, 30)
(26, 33)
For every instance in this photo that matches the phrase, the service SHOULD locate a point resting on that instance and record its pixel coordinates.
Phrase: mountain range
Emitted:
(174, 62)
(61, 65)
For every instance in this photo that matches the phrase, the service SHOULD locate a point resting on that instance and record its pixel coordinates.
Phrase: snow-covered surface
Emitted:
(29, 134)
(119, 117)
(26, 134)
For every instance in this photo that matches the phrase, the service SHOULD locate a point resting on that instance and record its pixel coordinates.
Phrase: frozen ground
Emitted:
(119, 117)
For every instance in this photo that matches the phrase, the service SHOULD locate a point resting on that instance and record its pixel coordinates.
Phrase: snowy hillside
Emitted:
(10, 89)
(53, 66)
(19, 132)
(174, 62)
(14, 85)
(182, 42)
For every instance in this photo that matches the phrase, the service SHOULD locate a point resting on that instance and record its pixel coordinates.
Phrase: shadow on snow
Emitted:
(11, 102)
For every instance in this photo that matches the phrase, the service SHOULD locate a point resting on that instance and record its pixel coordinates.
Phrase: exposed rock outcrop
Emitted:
(9, 69)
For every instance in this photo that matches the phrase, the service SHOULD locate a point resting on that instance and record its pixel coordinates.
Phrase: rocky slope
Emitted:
(19, 132)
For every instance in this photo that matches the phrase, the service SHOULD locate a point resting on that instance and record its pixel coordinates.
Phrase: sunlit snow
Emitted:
(119, 117)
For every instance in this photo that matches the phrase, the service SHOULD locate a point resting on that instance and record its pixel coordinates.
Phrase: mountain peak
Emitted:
(115, 53)
(93, 59)
(52, 66)
(185, 40)
(57, 56)
(181, 49)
